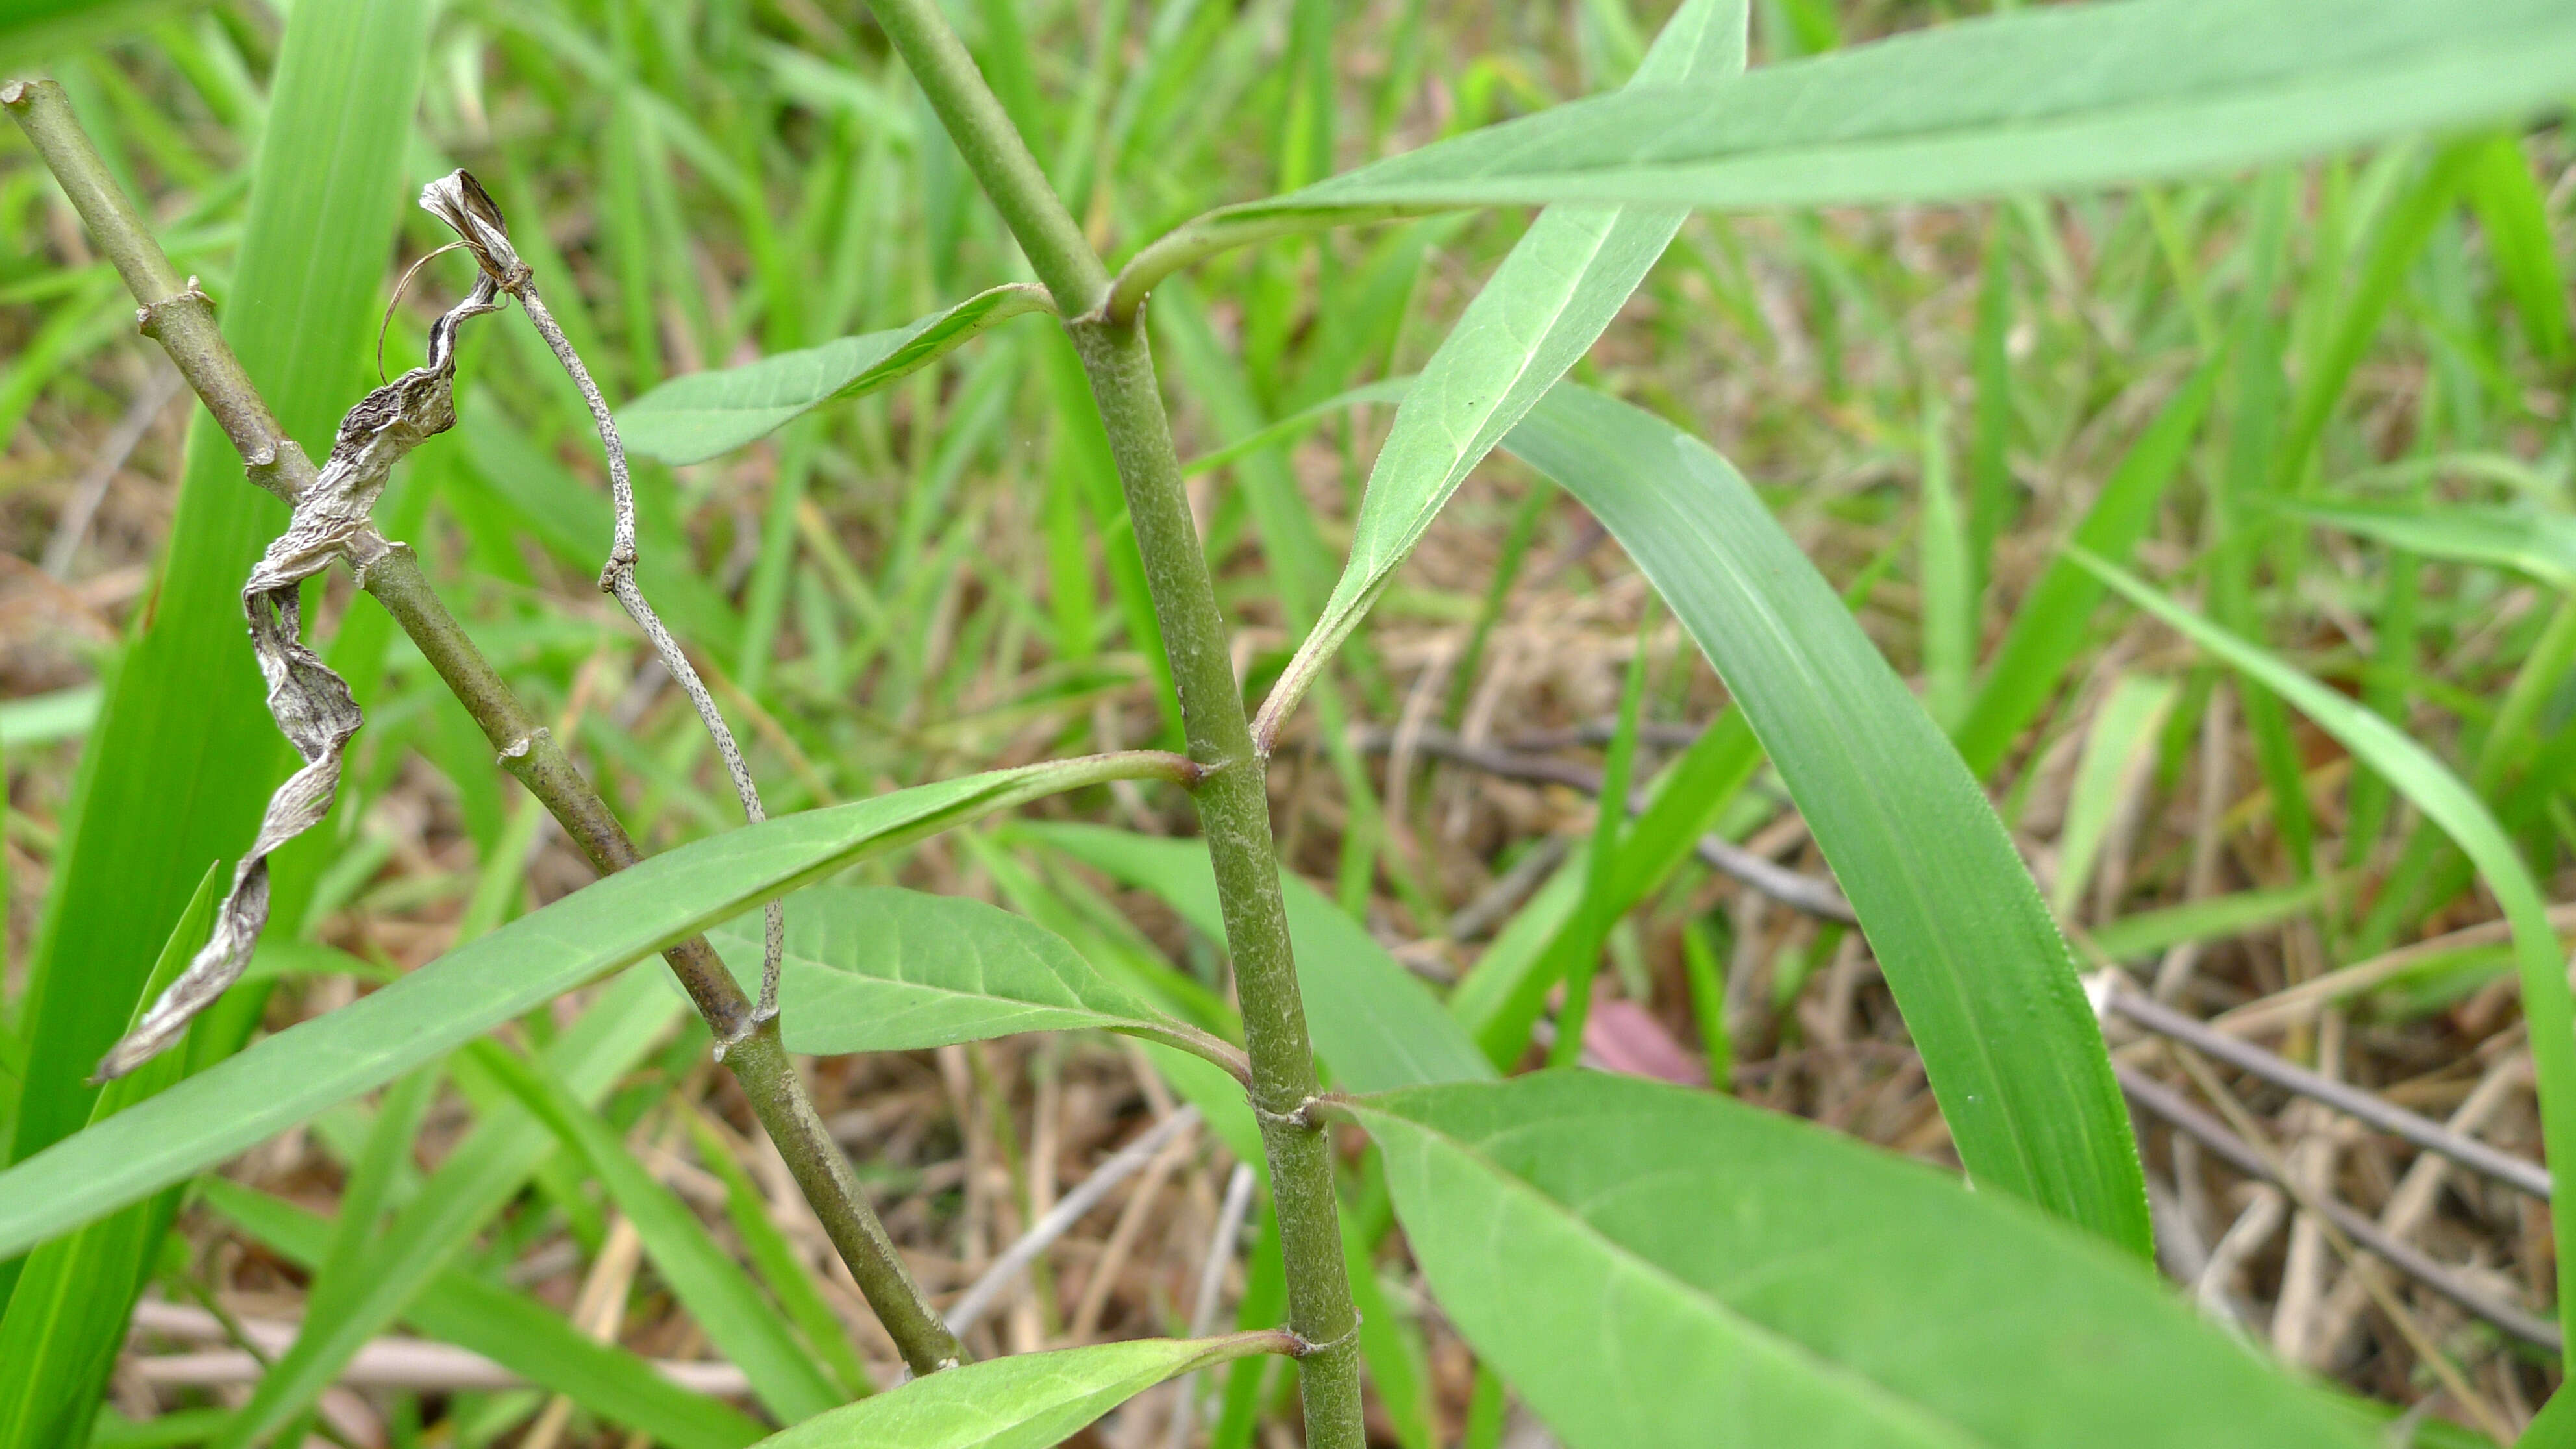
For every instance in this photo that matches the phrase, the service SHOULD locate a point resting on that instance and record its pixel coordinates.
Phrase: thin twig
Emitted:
(2214, 1135)
(1220, 1256)
(2424, 1132)
(1807, 893)
(463, 204)
(2334, 1229)
(969, 1309)
(71, 526)
(420, 1365)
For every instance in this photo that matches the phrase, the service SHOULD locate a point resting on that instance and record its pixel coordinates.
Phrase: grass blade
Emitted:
(67, 1317)
(404, 1272)
(513, 1331)
(182, 759)
(2118, 746)
(2049, 625)
(1985, 981)
(2515, 217)
(718, 1294)
(2450, 804)
(2056, 98)
(2541, 545)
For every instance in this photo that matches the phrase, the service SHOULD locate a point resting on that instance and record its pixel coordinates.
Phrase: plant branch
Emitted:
(182, 320)
(1225, 229)
(1232, 794)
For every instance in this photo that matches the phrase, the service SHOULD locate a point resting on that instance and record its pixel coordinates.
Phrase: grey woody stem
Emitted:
(180, 317)
(1232, 796)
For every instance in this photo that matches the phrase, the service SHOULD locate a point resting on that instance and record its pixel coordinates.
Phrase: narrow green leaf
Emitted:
(1026, 1401)
(782, 1265)
(2542, 545)
(514, 1331)
(67, 1317)
(897, 970)
(718, 1294)
(1374, 1023)
(2048, 626)
(1986, 983)
(1535, 317)
(2118, 745)
(2515, 217)
(2401, 238)
(2147, 933)
(1389, 389)
(2053, 98)
(1947, 574)
(184, 755)
(696, 416)
(628, 916)
(2451, 805)
(1603, 1241)
(35, 30)
(404, 1271)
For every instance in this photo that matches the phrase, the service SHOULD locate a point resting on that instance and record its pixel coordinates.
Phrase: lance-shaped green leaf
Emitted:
(1987, 985)
(2542, 545)
(1657, 1267)
(666, 898)
(695, 417)
(2048, 98)
(1026, 1401)
(68, 1312)
(896, 970)
(1537, 315)
(2453, 806)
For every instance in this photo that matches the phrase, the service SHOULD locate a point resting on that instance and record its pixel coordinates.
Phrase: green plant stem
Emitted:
(1232, 793)
(182, 320)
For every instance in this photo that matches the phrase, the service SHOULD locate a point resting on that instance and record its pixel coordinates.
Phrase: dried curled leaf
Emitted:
(311, 704)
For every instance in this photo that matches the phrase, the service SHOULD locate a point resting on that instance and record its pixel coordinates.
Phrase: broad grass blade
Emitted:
(2451, 805)
(1536, 316)
(1985, 982)
(1374, 1024)
(630, 915)
(1025, 1401)
(694, 417)
(895, 970)
(1602, 1240)
(184, 755)
(67, 1317)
